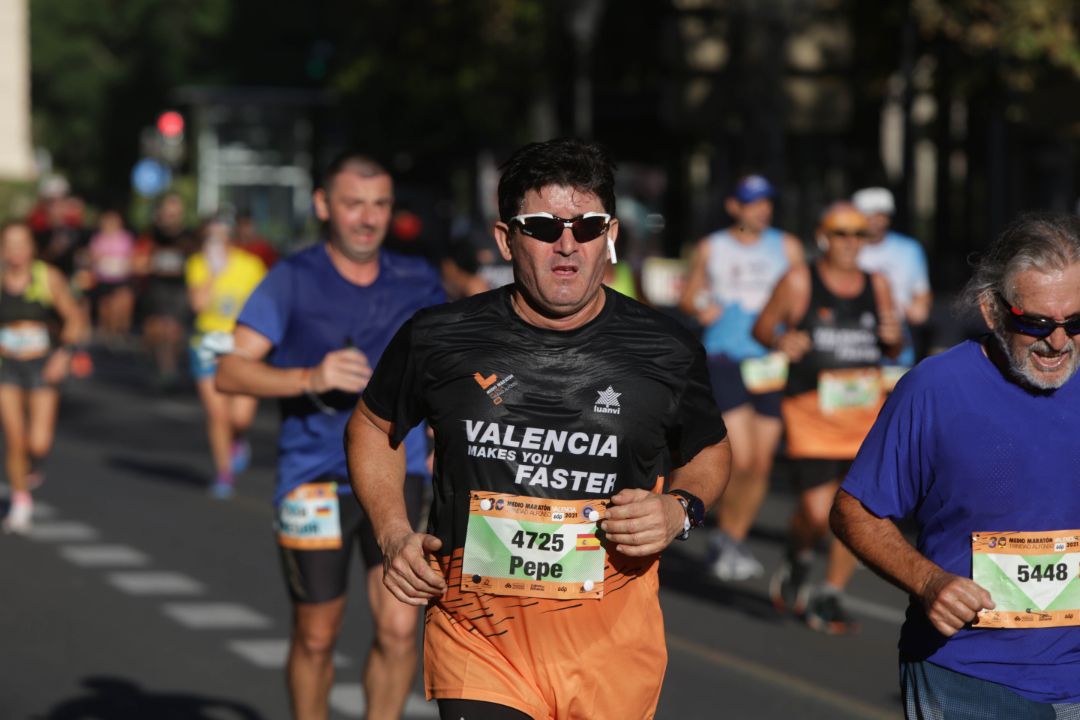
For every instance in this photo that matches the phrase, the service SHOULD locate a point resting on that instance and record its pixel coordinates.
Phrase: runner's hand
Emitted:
(56, 367)
(406, 572)
(709, 314)
(952, 601)
(794, 344)
(346, 369)
(889, 329)
(642, 522)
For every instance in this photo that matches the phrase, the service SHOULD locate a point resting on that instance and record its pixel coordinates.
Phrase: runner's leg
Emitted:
(841, 566)
(811, 520)
(218, 430)
(44, 404)
(731, 510)
(241, 409)
(123, 308)
(764, 437)
(171, 342)
(825, 611)
(13, 417)
(242, 413)
(391, 662)
(317, 581)
(310, 667)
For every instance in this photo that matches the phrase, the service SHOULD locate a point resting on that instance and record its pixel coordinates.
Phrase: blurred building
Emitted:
(16, 156)
(253, 150)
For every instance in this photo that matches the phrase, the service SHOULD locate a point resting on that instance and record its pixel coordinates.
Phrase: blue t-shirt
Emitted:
(741, 279)
(306, 309)
(962, 449)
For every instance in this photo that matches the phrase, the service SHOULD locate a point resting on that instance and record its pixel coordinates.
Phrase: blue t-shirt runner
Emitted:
(963, 450)
(306, 309)
(741, 278)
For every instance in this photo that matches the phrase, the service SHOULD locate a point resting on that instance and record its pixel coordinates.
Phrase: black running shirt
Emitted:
(518, 409)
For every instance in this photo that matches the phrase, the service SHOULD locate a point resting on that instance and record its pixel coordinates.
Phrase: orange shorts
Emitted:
(811, 433)
(551, 659)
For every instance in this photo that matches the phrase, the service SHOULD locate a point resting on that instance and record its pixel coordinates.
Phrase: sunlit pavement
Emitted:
(139, 596)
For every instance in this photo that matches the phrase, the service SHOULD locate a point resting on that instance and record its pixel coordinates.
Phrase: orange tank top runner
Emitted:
(835, 392)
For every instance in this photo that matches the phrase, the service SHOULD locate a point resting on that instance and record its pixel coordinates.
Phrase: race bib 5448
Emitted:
(1032, 577)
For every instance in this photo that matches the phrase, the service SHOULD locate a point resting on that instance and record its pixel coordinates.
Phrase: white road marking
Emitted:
(103, 556)
(348, 699)
(153, 582)
(216, 616)
(62, 532)
(272, 653)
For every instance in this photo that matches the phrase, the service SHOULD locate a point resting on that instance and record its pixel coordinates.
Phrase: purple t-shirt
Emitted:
(961, 448)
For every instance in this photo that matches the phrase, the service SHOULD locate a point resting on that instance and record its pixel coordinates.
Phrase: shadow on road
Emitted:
(158, 470)
(683, 572)
(111, 698)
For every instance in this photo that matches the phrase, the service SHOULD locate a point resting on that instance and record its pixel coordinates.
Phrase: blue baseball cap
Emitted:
(753, 187)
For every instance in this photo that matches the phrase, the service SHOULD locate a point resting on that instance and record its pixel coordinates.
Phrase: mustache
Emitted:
(1043, 347)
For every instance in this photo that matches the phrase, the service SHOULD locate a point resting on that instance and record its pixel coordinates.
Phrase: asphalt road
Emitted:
(139, 597)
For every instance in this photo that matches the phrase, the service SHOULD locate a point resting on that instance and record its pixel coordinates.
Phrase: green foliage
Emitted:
(433, 75)
(101, 70)
(1023, 30)
(16, 199)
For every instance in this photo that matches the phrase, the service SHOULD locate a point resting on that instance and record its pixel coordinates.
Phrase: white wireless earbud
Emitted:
(611, 249)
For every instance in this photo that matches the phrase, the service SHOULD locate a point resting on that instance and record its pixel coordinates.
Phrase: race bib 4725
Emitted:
(533, 547)
(1031, 576)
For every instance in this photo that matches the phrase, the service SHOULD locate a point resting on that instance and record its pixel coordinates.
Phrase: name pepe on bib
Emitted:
(533, 547)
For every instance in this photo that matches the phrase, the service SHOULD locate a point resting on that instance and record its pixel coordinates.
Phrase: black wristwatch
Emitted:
(695, 511)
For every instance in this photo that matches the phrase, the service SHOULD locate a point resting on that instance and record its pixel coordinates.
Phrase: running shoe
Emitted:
(827, 614)
(18, 518)
(735, 563)
(788, 588)
(240, 456)
(719, 541)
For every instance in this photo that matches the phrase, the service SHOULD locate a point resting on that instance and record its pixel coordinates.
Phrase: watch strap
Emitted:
(695, 509)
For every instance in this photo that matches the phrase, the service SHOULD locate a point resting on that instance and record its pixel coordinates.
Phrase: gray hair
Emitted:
(1043, 241)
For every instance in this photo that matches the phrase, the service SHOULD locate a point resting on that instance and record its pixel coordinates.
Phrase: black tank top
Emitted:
(843, 330)
(33, 304)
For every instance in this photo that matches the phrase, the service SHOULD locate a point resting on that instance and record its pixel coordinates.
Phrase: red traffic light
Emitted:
(170, 124)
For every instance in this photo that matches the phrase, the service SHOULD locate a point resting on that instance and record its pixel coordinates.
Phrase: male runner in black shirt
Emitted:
(557, 406)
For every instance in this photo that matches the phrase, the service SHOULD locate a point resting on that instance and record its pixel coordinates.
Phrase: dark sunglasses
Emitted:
(548, 228)
(1036, 326)
(845, 233)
